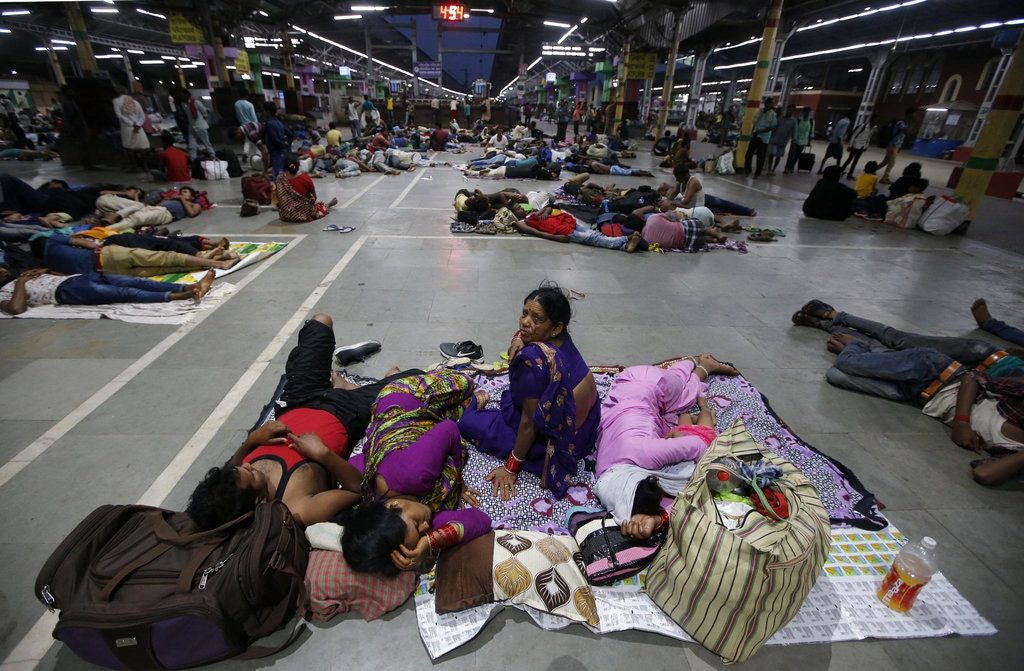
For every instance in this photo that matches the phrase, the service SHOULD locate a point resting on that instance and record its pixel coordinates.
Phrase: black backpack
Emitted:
(143, 588)
(234, 167)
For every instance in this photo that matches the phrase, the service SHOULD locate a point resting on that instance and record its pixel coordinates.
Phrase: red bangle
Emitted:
(664, 518)
(513, 465)
(966, 419)
(517, 334)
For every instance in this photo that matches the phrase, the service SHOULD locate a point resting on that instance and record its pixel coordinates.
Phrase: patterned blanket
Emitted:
(534, 509)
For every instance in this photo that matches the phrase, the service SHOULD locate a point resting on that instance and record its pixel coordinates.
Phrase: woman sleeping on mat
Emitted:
(300, 458)
(296, 195)
(672, 230)
(549, 415)
(642, 458)
(412, 477)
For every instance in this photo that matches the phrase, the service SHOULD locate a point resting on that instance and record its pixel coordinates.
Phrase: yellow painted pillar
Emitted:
(82, 43)
(620, 94)
(58, 73)
(670, 78)
(289, 62)
(988, 149)
(760, 79)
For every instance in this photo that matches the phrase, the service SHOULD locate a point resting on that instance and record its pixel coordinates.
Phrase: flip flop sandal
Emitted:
(331, 227)
(576, 295)
(346, 229)
(804, 319)
(816, 308)
(762, 236)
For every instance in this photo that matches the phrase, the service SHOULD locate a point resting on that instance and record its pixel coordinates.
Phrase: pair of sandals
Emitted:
(814, 314)
(334, 228)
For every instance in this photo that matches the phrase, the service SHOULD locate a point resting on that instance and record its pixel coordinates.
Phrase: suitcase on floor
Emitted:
(806, 162)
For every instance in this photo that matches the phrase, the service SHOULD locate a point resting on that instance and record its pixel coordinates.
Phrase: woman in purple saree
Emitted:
(549, 415)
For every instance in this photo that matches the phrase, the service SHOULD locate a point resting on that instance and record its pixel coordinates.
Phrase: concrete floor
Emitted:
(111, 419)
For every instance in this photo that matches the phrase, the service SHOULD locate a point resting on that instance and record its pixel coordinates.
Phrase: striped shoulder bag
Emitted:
(733, 589)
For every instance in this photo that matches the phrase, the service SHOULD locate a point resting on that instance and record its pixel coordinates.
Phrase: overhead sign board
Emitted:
(428, 69)
(640, 65)
(242, 66)
(183, 30)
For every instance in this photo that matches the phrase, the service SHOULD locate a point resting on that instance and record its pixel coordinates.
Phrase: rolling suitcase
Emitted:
(806, 162)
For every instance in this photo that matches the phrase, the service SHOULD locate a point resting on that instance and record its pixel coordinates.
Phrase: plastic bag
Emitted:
(944, 216)
(723, 166)
(215, 169)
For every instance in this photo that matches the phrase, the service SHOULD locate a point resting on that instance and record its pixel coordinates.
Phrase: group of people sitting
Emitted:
(403, 497)
(75, 246)
(832, 200)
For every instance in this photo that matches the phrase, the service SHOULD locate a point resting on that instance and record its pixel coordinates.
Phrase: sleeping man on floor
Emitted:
(641, 457)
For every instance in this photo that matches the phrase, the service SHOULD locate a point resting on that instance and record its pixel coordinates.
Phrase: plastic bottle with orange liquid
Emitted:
(912, 569)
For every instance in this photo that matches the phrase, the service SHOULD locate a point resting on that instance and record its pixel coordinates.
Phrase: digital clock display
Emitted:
(451, 12)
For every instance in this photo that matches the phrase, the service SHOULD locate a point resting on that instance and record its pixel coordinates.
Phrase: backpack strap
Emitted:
(128, 569)
(168, 534)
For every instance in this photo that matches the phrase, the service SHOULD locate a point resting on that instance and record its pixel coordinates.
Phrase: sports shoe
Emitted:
(466, 348)
(349, 354)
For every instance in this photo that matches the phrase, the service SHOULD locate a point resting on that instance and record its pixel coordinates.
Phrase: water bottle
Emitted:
(724, 481)
(912, 569)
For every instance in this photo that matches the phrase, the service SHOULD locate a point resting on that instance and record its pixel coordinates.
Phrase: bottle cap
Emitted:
(928, 542)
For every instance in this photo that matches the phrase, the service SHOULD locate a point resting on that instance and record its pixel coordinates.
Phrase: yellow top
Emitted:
(865, 184)
(333, 137)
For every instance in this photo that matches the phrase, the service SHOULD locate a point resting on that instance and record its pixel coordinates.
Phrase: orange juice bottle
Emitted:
(912, 569)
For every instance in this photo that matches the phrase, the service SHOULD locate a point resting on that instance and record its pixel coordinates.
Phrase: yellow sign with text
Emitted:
(242, 63)
(184, 31)
(641, 65)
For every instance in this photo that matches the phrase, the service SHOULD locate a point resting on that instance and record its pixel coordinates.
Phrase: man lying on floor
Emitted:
(80, 254)
(560, 226)
(984, 406)
(299, 459)
(641, 458)
(39, 287)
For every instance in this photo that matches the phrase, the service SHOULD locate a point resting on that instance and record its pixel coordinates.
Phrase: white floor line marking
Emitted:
(166, 481)
(72, 419)
(431, 209)
(796, 196)
(360, 192)
(37, 641)
(412, 183)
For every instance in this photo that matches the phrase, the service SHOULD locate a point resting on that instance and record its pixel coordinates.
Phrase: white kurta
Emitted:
(130, 113)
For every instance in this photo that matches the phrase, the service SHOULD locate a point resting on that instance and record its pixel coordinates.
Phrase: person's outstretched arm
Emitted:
(271, 433)
(966, 396)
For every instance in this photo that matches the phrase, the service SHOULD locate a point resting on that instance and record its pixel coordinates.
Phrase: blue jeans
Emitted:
(585, 235)
(100, 288)
(277, 162)
(896, 375)
(968, 351)
(480, 163)
(717, 205)
(1004, 331)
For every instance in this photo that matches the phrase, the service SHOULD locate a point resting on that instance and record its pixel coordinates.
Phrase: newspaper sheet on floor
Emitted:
(842, 606)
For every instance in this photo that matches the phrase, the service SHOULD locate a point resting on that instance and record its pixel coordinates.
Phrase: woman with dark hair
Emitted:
(296, 195)
(412, 477)
(548, 418)
(641, 457)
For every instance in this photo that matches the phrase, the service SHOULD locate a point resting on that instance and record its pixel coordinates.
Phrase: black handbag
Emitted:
(608, 556)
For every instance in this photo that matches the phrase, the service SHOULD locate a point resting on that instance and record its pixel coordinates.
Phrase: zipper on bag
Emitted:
(210, 570)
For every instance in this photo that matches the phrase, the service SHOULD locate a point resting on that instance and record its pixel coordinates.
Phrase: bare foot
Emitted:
(481, 399)
(332, 203)
(339, 382)
(394, 370)
(634, 242)
(979, 309)
(838, 342)
(202, 287)
(228, 262)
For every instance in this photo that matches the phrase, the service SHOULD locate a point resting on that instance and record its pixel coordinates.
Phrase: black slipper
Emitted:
(816, 308)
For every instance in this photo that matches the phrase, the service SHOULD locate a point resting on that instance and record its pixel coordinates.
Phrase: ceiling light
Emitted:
(347, 17)
(936, 109)
(567, 34)
(262, 13)
(230, 67)
(15, 12)
(856, 70)
(51, 48)
(143, 11)
(530, 66)
(169, 58)
(63, 42)
(182, 58)
(367, 8)
(110, 56)
(867, 12)
(4, 30)
(584, 20)
(104, 10)
(482, 11)
(556, 24)
(136, 51)
(151, 62)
